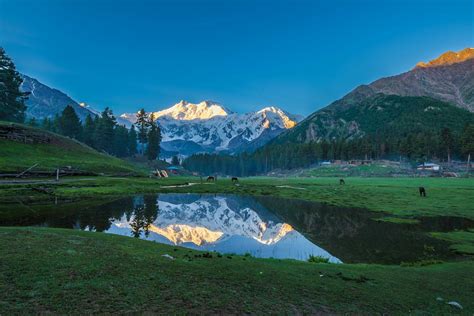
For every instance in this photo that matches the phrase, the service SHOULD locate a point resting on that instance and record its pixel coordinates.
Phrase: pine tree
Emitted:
(175, 161)
(132, 141)
(143, 126)
(47, 124)
(12, 100)
(55, 124)
(32, 122)
(104, 131)
(69, 123)
(88, 131)
(467, 140)
(447, 142)
(121, 145)
(154, 139)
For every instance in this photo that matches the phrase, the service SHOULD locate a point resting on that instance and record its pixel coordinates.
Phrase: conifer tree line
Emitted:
(104, 134)
(416, 147)
(12, 100)
(100, 132)
(149, 135)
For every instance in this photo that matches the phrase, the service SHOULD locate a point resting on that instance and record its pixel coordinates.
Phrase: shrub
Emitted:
(318, 259)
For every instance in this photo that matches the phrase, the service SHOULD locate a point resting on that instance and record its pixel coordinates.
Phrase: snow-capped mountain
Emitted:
(207, 126)
(186, 111)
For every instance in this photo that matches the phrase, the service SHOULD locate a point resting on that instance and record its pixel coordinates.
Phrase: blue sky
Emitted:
(299, 55)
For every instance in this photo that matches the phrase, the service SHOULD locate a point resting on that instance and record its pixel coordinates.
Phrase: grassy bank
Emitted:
(397, 196)
(65, 271)
(60, 151)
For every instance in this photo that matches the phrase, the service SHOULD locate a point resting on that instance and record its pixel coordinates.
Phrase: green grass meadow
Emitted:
(45, 270)
(72, 272)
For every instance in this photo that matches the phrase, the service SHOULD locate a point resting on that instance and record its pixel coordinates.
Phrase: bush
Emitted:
(318, 259)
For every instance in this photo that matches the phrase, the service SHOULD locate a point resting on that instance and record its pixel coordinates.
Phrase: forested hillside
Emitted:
(419, 128)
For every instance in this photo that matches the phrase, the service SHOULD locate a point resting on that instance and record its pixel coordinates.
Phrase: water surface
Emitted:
(260, 226)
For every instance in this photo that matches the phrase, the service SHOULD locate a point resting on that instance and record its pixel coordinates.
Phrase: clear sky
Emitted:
(299, 55)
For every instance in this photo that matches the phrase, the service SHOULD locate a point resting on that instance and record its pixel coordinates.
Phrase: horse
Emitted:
(211, 179)
(422, 191)
(235, 179)
(341, 181)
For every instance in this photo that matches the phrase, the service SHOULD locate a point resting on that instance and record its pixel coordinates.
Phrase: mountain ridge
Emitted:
(208, 126)
(451, 83)
(45, 102)
(187, 127)
(448, 58)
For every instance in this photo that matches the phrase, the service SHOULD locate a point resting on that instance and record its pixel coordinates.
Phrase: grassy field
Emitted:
(397, 196)
(60, 152)
(372, 170)
(60, 271)
(462, 241)
(83, 272)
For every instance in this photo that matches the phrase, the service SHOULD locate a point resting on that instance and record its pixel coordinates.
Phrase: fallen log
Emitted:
(52, 173)
(48, 191)
(22, 173)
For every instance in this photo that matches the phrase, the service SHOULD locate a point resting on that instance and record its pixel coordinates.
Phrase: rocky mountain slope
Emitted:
(207, 126)
(44, 101)
(449, 78)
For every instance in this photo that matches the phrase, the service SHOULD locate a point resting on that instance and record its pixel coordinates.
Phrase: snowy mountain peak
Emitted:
(187, 111)
(282, 118)
(208, 126)
(272, 109)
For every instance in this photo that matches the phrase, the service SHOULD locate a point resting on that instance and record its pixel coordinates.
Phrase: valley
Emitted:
(116, 198)
(393, 201)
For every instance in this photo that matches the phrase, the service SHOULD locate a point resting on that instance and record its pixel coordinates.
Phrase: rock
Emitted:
(455, 304)
(440, 299)
(168, 256)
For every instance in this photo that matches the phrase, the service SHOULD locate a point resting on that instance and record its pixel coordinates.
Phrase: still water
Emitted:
(260, 226)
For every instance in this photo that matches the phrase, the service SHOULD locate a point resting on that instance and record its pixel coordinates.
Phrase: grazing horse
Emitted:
(341, 181)
(422, 191)
(235, 179)
(211, 179)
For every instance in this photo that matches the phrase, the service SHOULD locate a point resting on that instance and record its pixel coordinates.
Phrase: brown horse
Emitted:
(211, 179)
(235, 179)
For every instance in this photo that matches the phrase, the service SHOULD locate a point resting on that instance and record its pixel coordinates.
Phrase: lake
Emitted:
(264, 227)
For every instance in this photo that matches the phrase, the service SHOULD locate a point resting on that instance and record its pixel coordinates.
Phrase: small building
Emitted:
(174, 169)
(325, 163)
(429, 166)
(360, 162)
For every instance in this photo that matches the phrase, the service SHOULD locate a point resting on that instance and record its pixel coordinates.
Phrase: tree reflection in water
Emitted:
(144, 213)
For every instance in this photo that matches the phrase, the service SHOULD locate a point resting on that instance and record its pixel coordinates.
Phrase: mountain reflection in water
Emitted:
(226, 224)
(262, 226)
